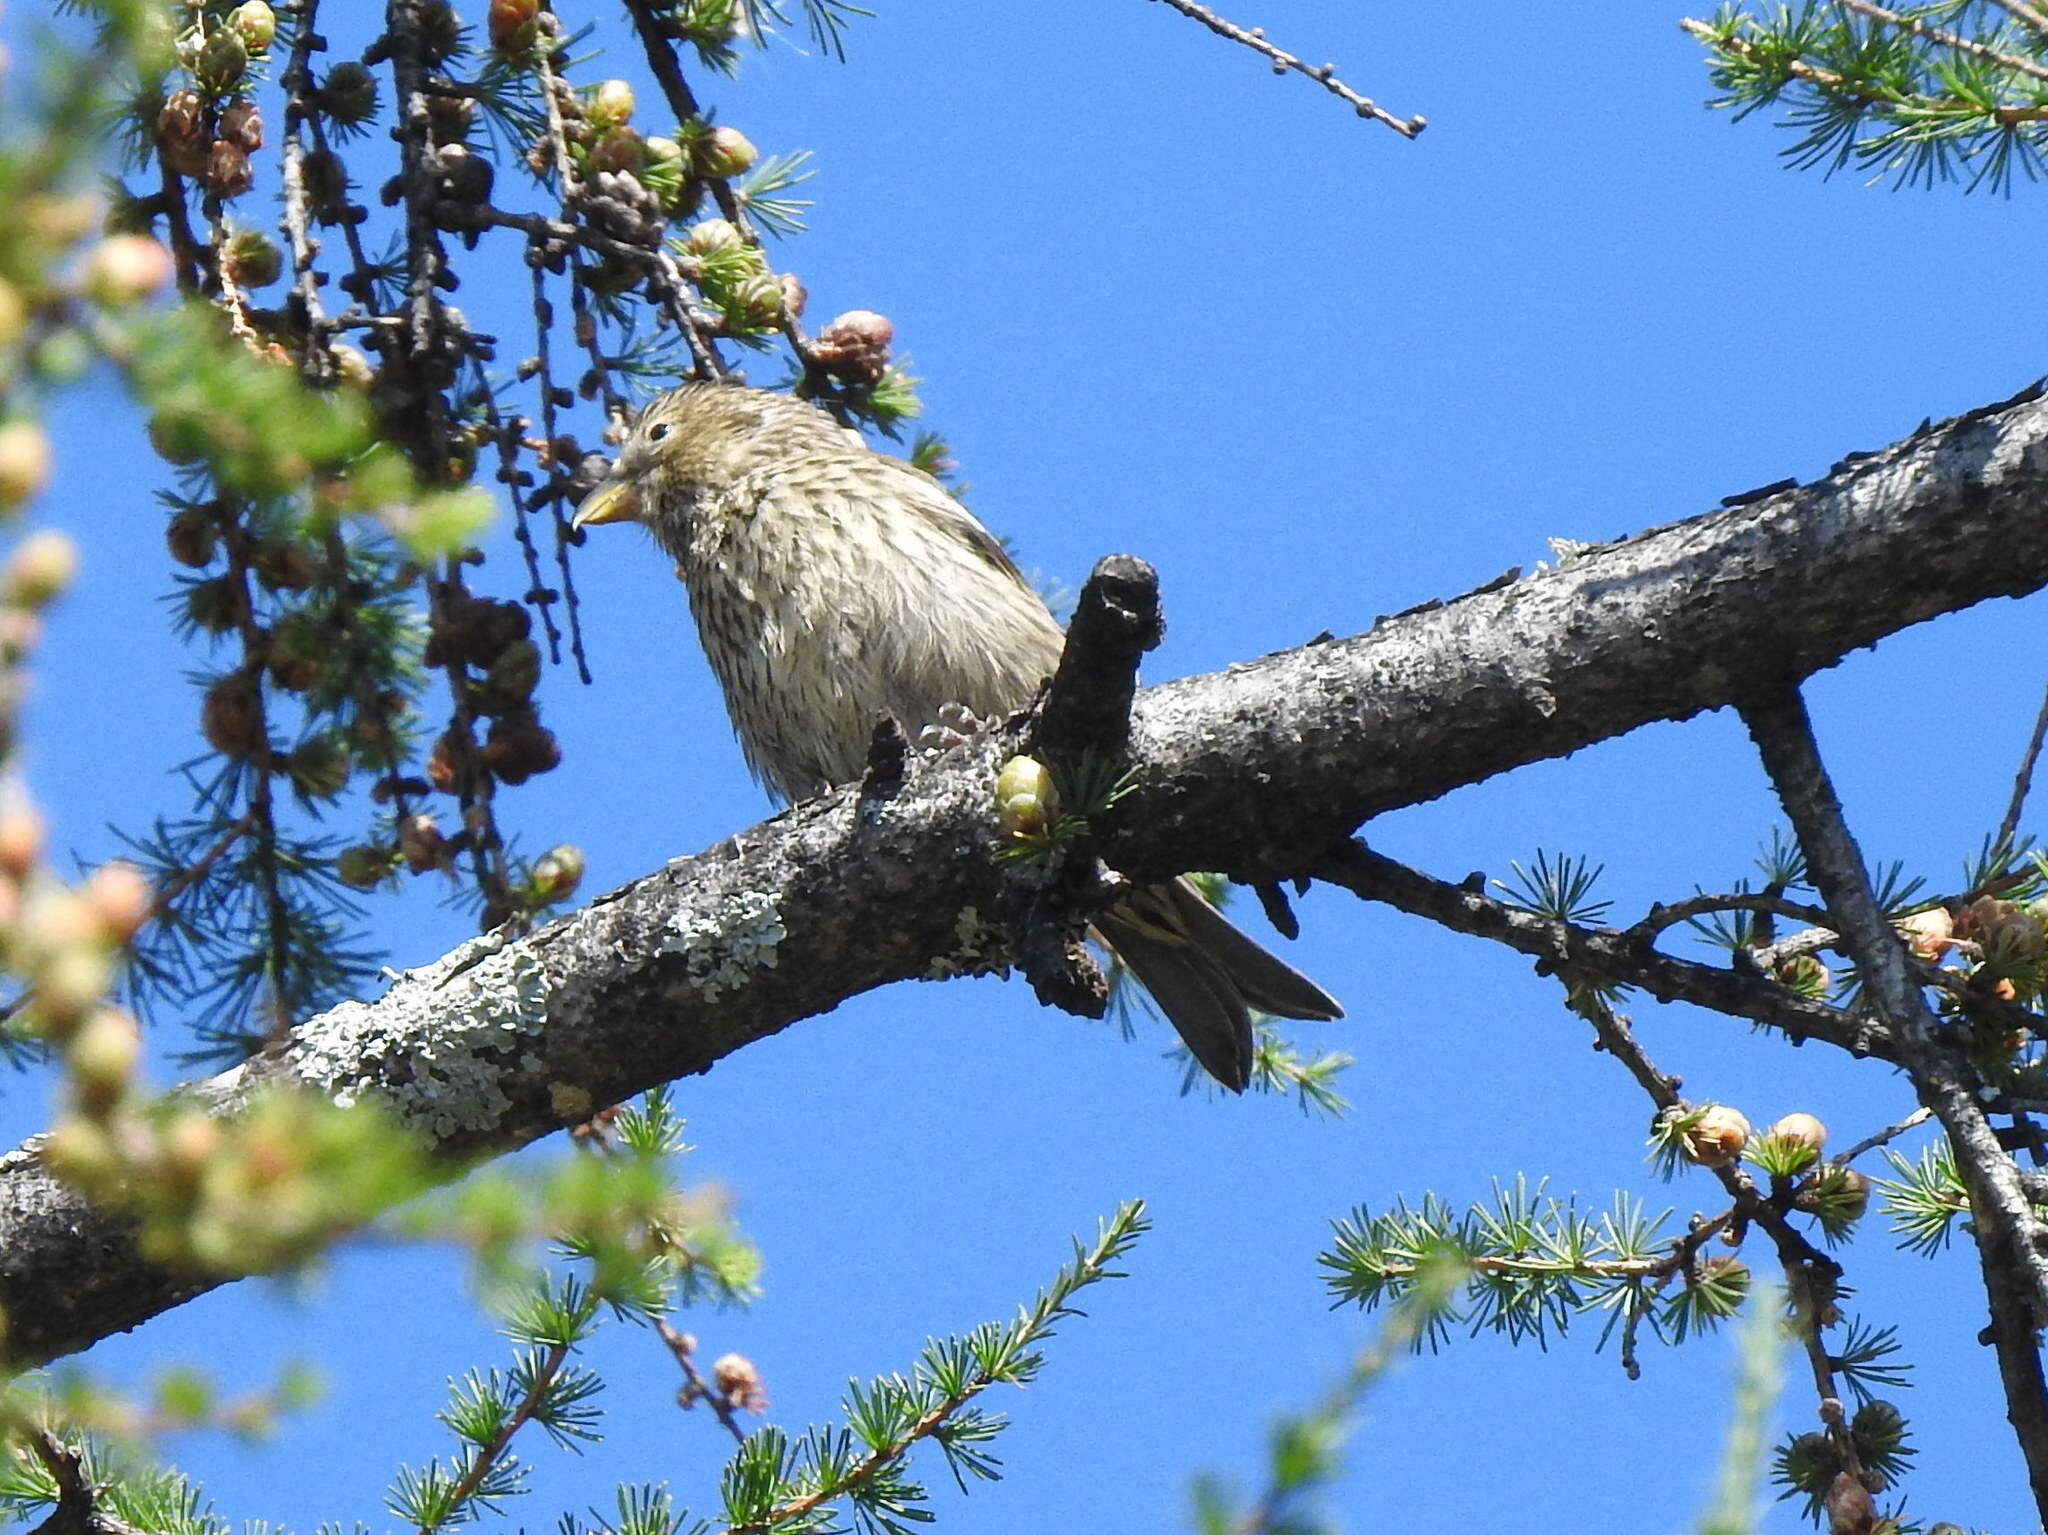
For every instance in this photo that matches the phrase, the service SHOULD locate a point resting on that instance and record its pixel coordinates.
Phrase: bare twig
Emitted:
(185, 245)
(1606, 954)
(1808, 940)
(259, 769)
(2023, 780)
(1888, 1133)
(506, 433)
(1660, 916)
(544, 230)
(551, 493)
(317, 363)
(1324, 75)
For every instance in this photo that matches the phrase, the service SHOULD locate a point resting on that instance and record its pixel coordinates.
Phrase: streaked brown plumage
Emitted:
(832, 584)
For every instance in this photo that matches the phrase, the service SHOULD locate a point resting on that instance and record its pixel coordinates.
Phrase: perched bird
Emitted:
(832, 584)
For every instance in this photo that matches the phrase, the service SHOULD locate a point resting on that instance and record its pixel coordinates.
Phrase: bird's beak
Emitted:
(616, 500)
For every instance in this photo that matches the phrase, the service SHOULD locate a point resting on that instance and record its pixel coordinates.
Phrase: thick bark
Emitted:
(1256, 767)
(1260, 771)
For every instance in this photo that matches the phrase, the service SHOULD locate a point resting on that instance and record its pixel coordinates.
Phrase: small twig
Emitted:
(506, 437)
(2023, 780)
(544, 325)
(1324, 75)
(475, 788)
(490, 1454)
(1273, 901)
(197, 870)
(260, 768)
(1521, 1266)
(1808, 940)
(1660, 916)
(583, 327)
(1603, 953)
(1027, 1328)
(185, 245)
(696, 1388)
(1888, 1133)
(1953, 41)
(358, 282)
(2020, 11)
(1979, 1002)
(317, 363)
(668, 73)
(1812, 1277)
(234, 299)
(541, 228)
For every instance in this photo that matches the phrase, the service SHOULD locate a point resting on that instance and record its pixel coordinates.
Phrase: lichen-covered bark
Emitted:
(1259, 771)
(1660, 626)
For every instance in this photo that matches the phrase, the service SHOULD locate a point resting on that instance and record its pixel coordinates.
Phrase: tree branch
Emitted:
(78, 1509)
(1955, 42)
(2009, 1237)
(1282, 61)
(1087, 708)
(1260, 772)
(1653, 627)
(1601, 953)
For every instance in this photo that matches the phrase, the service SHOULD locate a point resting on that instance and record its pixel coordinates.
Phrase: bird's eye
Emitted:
(657, 432)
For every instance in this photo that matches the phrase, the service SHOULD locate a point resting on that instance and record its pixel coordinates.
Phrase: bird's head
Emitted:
(699, 439)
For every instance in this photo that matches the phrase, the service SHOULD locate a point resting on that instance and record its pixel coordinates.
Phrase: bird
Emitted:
(832, 584)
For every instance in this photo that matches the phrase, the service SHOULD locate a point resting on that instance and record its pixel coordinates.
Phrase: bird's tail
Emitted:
(1208, 977)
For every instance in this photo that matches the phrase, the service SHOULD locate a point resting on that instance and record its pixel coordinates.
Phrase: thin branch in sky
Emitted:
(2024, 778)
(1888, 1133)
(1324, 75)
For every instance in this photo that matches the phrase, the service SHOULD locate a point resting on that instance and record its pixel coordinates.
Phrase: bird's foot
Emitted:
(956, 725)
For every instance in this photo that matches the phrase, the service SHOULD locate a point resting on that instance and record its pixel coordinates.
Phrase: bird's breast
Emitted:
(826, 605)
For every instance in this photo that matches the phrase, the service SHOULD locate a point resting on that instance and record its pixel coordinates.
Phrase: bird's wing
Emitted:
(870, 473)
(944, 506)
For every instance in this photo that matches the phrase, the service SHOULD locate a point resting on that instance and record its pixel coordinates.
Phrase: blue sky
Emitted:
(1165, 303)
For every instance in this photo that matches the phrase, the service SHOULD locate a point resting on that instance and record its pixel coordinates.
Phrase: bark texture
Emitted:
(1258, 766)
(1261, 771)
